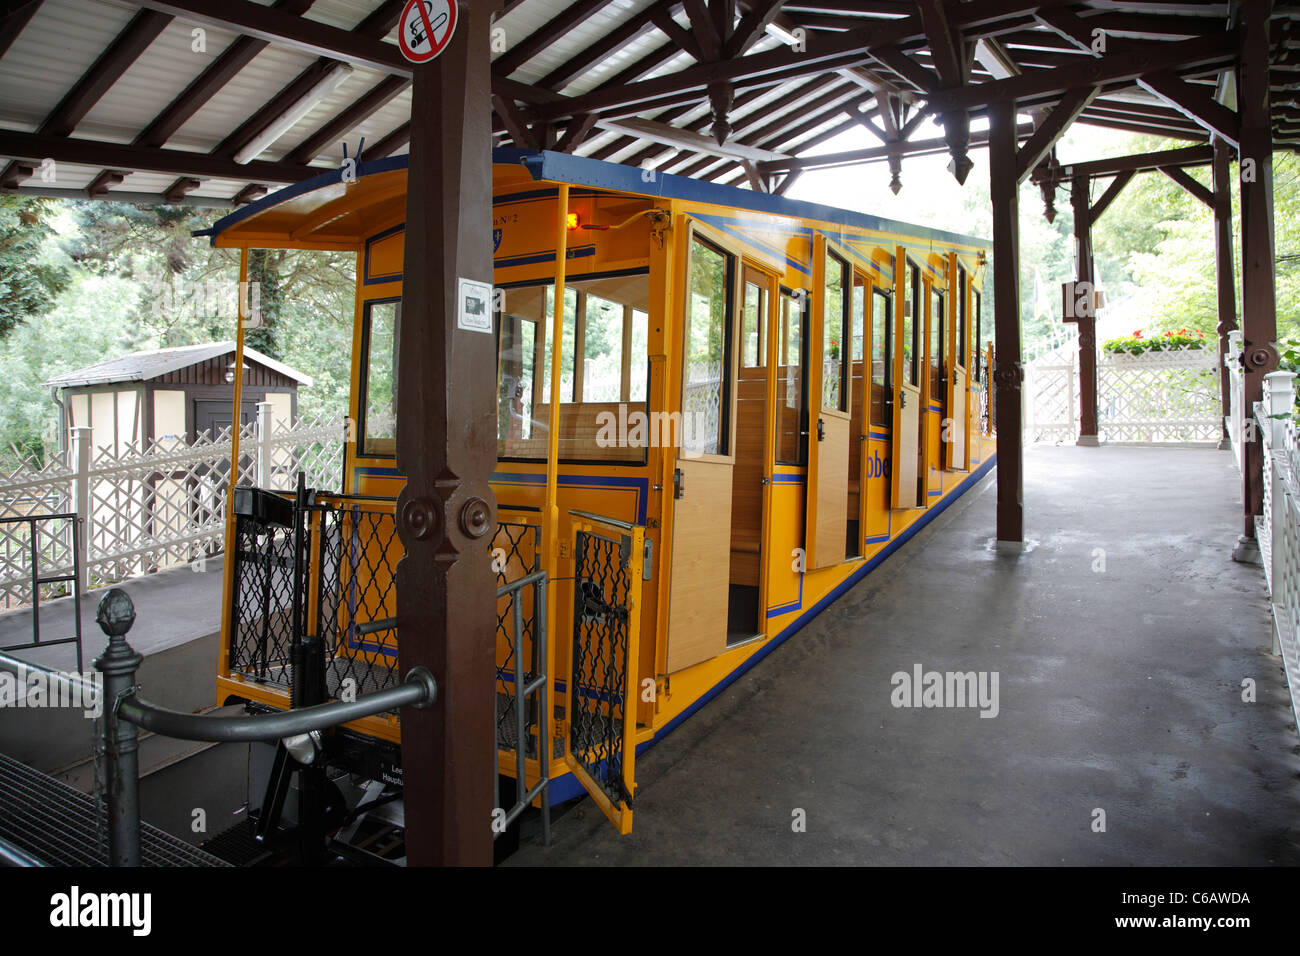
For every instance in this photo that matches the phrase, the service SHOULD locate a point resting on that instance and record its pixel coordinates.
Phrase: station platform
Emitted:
(1121, 637)
(178, 618)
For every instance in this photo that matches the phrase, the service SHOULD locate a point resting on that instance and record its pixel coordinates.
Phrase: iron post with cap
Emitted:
(118, 663)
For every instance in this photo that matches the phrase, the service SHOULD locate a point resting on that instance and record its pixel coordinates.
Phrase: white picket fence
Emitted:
(1165, 396)
(144, 510)
(1277, 529)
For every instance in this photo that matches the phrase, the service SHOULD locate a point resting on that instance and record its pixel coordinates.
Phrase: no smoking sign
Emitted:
(426, 28)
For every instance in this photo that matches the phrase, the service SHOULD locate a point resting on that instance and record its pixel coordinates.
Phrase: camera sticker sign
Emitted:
(474, 305)
(426, 28)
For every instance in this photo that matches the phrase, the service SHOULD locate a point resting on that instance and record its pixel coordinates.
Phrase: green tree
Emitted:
(137, 279)
(29, 280)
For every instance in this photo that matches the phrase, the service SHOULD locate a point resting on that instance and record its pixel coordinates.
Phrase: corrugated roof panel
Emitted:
(373, 129)
(357, 85)
(344, 14)
(32, 81)
(577, 39)
(268, 73)
(66, 176)
(152, 82)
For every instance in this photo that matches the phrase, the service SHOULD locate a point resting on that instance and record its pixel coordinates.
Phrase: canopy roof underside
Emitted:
(190, 100)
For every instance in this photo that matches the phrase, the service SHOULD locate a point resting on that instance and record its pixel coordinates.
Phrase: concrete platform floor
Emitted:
(1120, 690)
(178, 617)
(172, 608)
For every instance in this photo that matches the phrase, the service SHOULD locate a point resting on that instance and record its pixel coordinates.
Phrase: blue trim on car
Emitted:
(597, 174)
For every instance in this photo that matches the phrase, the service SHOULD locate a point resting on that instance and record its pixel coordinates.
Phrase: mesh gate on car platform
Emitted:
(323, 570)
(602, 690)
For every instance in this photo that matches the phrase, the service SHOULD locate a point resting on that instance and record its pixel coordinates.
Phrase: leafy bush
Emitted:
(1137, 343)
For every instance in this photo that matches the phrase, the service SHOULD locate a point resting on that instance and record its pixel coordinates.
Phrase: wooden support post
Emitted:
(1085, 272)
(446, 448)
(1225, 281)
(1007, 374)
(1258, 292)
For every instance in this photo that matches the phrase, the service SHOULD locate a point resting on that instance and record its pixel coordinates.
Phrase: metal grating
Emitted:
(356, 554)
(597, 695)
(263, 600)
(57, 824)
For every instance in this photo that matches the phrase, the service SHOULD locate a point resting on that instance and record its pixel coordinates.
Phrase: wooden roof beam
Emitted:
(1050, 129)
(1196, 188)
(16, 17)
(220, 72)
(1166, 84)
(520, 52)
(351, 117)
(848, 49)
(1196, 105)
(752, 27)
(678, 34)
(1139, 162)
(36, 146)
(626, 33)
(390, 144)
(945, 43)
(854, 157)
(1209, 51)
(130, 42)
(1192, 134)
(698, 124)
(705, 33)
(1114, 189)
(285, 29)
(578, 129)
(831, 89)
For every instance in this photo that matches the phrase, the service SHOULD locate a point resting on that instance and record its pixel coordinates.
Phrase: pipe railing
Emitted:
(125, 711)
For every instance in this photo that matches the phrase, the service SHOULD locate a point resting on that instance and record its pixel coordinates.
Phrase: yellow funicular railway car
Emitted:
(759, 399)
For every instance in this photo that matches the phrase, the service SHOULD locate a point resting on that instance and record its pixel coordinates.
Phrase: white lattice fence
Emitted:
(142, 511)
(32, 490)
(702, 405)
(1051, 399)
(1159, 396)
(156, 508)
(1277, 529)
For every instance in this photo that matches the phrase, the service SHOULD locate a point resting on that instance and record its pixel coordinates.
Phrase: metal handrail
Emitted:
(125, 711)
(11, 855)
(419, 690)
(69, 679)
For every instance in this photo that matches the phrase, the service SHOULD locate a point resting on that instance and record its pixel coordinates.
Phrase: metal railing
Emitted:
(530, 680)
(125, 712)
(316, 572)
(72, 525)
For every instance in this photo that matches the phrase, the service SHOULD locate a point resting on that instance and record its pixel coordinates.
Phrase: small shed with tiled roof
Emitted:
(181, 392)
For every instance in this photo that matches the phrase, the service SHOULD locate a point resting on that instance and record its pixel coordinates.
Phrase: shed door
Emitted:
(702, 478)
(907, 378)
(212, 415)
